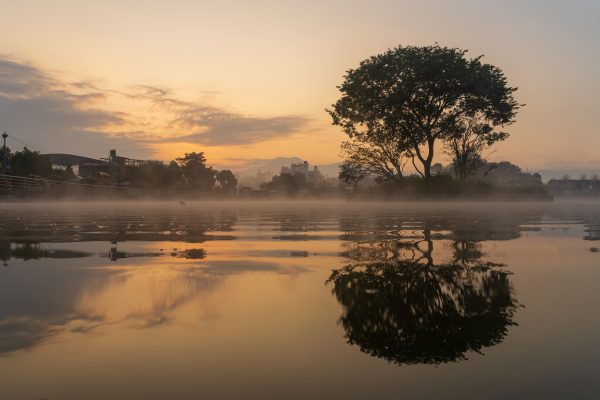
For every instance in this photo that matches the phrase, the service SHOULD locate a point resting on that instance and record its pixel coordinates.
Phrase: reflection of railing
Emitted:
(10, 183)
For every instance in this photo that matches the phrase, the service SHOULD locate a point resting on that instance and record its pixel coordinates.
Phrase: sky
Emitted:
(248, 80)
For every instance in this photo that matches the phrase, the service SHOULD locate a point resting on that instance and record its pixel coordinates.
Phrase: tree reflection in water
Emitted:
(400, 306)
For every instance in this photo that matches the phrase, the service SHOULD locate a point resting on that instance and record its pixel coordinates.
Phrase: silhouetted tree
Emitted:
(412, 96)
(351, 173)
(227, 181)
(286, 183)
(468, 143)
(28, 163)
(198, 175)
(8, 155)
(174, 175)
(156, 175)
(374, 152)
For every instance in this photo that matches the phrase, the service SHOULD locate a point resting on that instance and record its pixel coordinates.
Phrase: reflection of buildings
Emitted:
(32, 251)
(190, 254)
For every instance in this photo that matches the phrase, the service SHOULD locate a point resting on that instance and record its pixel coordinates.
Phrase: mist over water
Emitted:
(299, 300)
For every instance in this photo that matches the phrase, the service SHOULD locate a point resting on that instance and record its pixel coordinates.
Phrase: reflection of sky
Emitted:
(257, 307)
(45, 297)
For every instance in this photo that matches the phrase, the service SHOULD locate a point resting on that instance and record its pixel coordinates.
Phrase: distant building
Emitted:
(114, 165)
(574, 187)
(313, 177)
(298, 168)
(121, 166)
(254, 181)
(113, 158)
(82, 166)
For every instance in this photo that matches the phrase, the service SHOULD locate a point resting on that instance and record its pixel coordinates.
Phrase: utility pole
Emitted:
(4, 154)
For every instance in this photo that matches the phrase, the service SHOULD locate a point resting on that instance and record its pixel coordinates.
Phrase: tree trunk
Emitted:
(427, 162)
(427, 169)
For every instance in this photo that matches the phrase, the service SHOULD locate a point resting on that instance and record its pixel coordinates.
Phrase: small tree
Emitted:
(286, 183)
(376, 153)
(351, 173)
(414, 96)
(227, 181)
(467, 144)
(27, 163)
(5, 155)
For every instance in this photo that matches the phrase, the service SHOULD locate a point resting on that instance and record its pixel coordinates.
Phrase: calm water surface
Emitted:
(299, 301)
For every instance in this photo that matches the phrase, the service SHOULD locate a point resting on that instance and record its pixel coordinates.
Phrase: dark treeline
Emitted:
(295, 184)
(188, 174)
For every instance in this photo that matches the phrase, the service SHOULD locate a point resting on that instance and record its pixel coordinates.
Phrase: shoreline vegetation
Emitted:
(409, 193)
(190, 178)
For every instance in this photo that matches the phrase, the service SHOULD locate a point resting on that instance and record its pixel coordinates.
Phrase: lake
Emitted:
(299, 300)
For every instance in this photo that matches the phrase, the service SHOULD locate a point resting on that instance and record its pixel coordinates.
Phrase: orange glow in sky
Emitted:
(247, 80)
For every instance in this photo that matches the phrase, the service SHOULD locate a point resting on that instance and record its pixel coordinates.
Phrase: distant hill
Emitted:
(270, 167)
(274, 165)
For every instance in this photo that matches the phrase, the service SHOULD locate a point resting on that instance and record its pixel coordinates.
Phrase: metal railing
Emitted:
(21, 186)
(10, 183)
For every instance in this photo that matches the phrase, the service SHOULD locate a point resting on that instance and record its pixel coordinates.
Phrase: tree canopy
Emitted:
(29, 163)
(407, 98)
(195, 171)
(467, 144)
(227, 181)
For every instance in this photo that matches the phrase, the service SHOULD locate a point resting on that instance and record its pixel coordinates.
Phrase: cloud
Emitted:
(19, 79)
(245, 130)
(83, 117)
(52, 116)
(213, 126)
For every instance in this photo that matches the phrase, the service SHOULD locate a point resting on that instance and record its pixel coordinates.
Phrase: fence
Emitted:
(20, 185)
